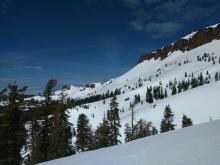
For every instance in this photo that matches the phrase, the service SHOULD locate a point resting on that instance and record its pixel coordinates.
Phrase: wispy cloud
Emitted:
(159, 18)
(24, 59)
(16, 60)
(157, 29)
(33, 67)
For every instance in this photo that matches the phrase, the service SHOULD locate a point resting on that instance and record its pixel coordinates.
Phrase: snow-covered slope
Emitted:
(197, 145)
(199, 103)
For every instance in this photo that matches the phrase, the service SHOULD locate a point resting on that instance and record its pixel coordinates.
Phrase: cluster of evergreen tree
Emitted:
(157, 92)
(217, 76)
(77, 102)
(107, 133)
(190, 83)
(167, 123)
(137, 99)
(141, 129)
(12, 130)
(186, 121)
(50, 131)
(206, 57)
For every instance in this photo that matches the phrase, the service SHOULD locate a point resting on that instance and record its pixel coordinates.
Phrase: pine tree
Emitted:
(201, 80)
(216, 76)
(84, 135)
(154, 131)
(102, 135)
(186, 121)
(35, 138)
(174, 89)
(165, 93)
(132, 123)
(114, 121)
(161, 93)
(185, 85)
(128, 133)
(194, 82)
(49, 90)
(137, 99)
(12, 131)
(154, 93)
(60, 139)
(3, 130)
(149, 96)
(167, 121)
(45, 129)
(180, 87)
(42, 133)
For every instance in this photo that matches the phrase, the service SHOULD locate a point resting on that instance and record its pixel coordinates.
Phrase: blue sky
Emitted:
(80, 41)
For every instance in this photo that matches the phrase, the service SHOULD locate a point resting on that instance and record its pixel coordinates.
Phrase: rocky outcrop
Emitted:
(201, 37)
(89, 85)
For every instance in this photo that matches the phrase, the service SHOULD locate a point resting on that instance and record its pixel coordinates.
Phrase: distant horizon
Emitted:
(79, 42)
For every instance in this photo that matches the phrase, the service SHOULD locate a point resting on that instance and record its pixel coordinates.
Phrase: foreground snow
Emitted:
(198, 145)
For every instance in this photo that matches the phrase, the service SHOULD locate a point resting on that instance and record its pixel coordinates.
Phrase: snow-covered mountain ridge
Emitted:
(186, 43)
(198, 145)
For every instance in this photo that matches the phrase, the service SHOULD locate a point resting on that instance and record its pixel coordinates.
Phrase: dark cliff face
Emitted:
(201, 37)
